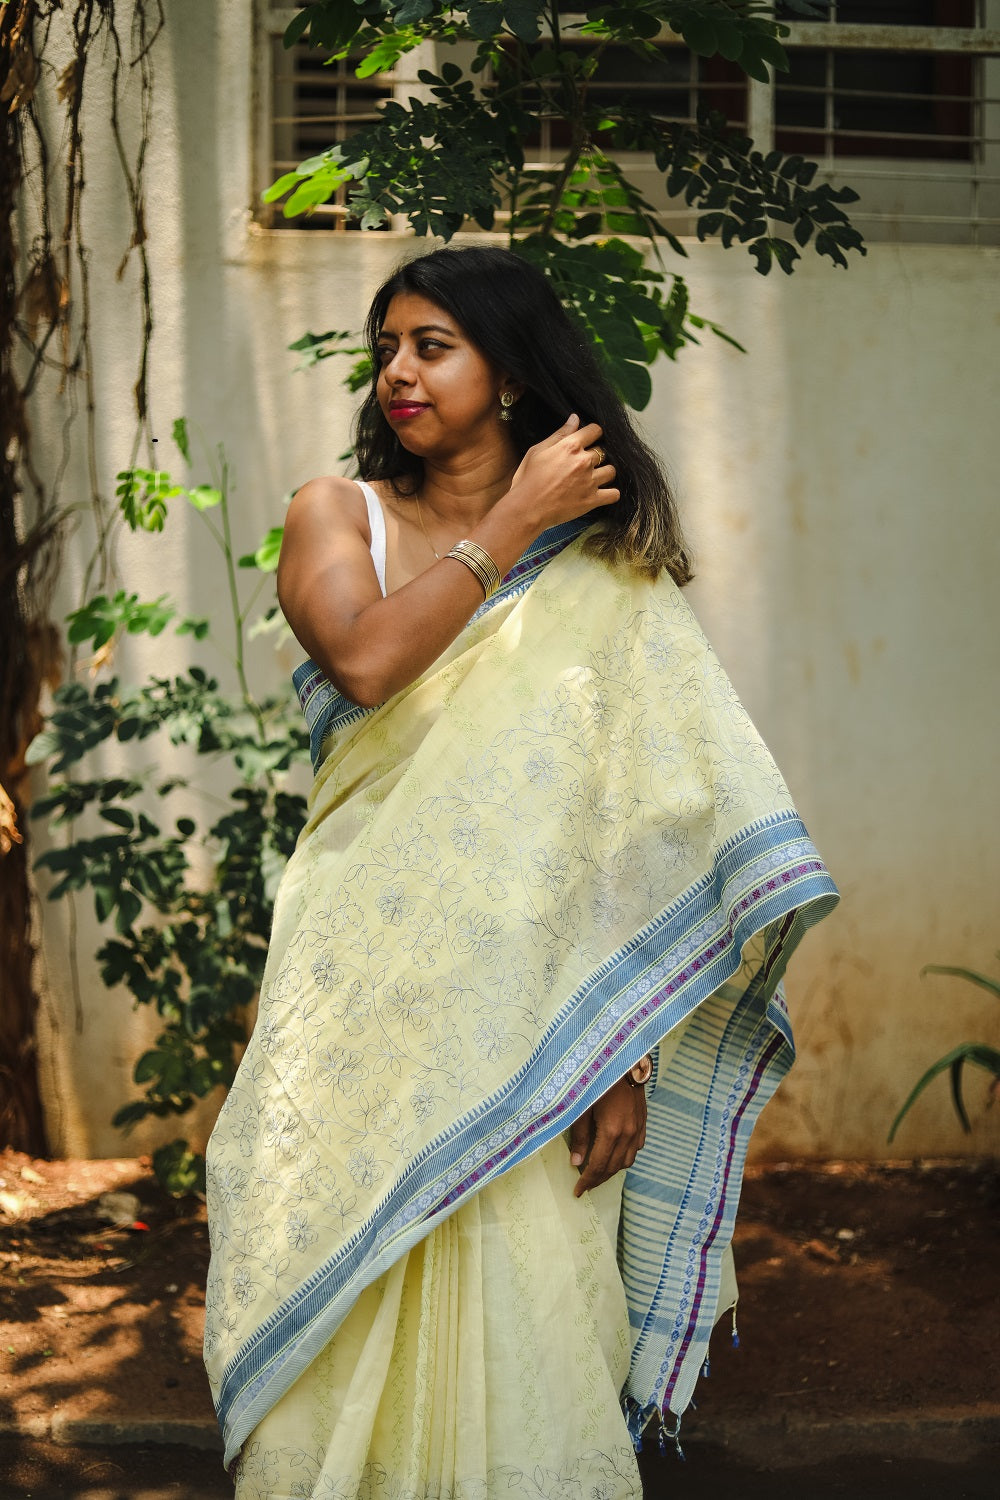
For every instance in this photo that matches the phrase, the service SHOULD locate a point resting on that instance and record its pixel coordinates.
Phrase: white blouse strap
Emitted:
(376, 525)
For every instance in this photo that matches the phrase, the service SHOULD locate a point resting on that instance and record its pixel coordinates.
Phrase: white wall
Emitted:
(839, 486)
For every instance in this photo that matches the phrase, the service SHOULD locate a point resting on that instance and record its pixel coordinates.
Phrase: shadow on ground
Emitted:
(711, 1474)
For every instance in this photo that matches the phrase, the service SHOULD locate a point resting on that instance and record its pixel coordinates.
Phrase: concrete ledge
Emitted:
(773, 1442)
(73, 1432)
(944, 1434)
(27, 1427)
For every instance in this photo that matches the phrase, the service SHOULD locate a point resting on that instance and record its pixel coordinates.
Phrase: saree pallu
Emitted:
(561, 848)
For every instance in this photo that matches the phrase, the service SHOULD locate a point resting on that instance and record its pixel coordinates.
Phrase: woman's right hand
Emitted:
(558, 480)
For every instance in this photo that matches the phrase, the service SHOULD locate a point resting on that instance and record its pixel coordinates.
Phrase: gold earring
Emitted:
(507, 399)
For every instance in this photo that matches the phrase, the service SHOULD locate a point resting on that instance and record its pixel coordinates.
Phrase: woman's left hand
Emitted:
(608, 1137)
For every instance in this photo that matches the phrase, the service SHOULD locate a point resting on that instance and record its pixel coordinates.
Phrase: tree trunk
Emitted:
(22, 1123)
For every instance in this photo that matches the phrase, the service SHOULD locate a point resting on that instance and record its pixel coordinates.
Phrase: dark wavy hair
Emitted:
(508, 309)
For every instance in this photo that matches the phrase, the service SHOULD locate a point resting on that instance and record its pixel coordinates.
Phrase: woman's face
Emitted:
(437, 390)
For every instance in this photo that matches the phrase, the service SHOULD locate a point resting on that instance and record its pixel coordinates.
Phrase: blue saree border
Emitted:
(326, 709)
(672, 1279)
(762, 875)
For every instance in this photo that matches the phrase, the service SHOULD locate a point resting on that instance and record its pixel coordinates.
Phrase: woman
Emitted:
(472, 1191)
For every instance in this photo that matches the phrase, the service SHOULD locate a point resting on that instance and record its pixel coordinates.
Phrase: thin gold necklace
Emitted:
(423, 528)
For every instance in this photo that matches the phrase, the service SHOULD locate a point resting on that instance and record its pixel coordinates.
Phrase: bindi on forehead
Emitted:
(409, 313)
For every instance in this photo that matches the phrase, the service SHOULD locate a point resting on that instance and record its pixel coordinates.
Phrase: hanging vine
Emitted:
(49, 50)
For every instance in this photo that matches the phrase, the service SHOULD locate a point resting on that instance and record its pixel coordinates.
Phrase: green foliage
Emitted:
(187, 943)
(179, 1169)
(142, 498)
(101, 618)
(455, 155)
(954, 1061)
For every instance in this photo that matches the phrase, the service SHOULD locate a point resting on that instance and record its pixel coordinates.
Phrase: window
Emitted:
(898, 98)
(901, 99)
(676, 92)
(880, 102)
(310, 103)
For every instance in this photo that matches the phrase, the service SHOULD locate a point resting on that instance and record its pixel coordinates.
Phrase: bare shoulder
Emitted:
(329, 501)
(324, 552)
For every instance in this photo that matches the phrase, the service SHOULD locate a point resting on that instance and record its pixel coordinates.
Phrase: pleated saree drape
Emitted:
(561, 848)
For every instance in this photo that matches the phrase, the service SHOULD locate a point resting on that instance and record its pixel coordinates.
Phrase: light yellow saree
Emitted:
(561, 848)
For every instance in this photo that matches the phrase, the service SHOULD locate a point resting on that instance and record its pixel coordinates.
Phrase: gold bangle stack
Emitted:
(478, 561)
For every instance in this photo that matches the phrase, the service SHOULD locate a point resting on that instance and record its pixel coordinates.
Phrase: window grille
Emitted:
(311, 102)
(673, 88)
(900, 99)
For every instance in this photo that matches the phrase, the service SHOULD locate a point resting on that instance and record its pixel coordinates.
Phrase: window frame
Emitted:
(981, 42)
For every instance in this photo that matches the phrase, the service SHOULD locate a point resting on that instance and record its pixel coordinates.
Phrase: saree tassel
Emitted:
(674, 1437)
(736, 1332)
(637, 1419)
(706, 1368)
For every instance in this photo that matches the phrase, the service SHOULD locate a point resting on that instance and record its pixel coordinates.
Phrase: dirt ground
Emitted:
(864, 1290)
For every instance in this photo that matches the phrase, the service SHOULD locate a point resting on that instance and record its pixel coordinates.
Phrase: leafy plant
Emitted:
(973, 1052)
(191, 945)
(458, 155)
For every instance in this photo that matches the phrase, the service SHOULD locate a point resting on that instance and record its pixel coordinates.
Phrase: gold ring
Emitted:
(600, 456)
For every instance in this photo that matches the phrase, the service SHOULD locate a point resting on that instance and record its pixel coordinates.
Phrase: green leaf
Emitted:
(522, 18)
(485, 18)
(699, 31)
(297, 26)
(46, 743)
(310, 341)
(729, 40)
(180, 434)
(179, 1169)
(633, 382)
(412, 10)
(769, 48)
(761, 252)
(96, 621)
(283, 185)
(388, 50)
(142, 498)
(785, 254)
(266, 556)
(956, 1094)
(985, 1057)
(149, 619)
(972, 975)
(309, 194)
(198, 628)
(204, 497)
(727, 338)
